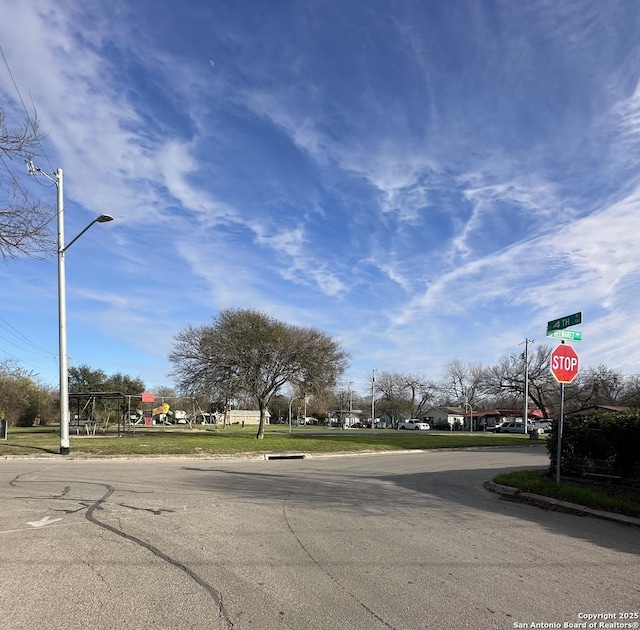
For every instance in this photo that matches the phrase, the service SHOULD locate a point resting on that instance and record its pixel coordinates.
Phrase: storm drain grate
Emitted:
(284, 456)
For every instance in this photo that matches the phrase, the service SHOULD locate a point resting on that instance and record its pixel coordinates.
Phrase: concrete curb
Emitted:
(537, 499)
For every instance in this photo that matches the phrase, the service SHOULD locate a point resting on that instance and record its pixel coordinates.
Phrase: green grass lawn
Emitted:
(235, 440)
(213, 441)
(609, 498)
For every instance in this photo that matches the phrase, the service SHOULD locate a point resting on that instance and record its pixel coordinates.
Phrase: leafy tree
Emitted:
(246, 351)
(24, 221)
(124, 384)
(22, 399)
(85, 380)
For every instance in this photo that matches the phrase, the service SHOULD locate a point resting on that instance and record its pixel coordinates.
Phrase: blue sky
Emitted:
(423, 181)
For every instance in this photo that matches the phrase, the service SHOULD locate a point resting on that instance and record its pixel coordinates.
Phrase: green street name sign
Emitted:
(564, 322)
(567, 335)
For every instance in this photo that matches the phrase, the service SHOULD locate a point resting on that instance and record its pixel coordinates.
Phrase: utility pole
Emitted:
(525, 412)
(373, 399)
(291, 403)
(62, 323)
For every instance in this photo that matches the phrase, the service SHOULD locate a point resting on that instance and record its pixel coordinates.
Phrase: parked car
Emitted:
(414, 425)
(511, 427)
(543, 425)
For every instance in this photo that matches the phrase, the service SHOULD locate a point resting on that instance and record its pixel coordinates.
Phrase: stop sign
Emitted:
(564, 363)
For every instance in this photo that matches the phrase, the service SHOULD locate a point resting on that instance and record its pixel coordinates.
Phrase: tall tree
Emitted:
(393, 397)
(505, 380)
(463, 381)
(422, 394)
(249, 351)
(24, 221)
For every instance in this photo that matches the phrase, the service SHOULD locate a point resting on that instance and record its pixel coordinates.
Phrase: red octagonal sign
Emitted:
(564, 363)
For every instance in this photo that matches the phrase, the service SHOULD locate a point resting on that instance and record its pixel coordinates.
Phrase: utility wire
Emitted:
(26, 111)
(11, 329)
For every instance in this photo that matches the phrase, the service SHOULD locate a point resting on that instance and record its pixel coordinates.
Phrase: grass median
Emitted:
(235, 440)
(605, 497)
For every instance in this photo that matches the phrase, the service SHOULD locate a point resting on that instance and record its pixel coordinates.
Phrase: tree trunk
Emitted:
(263, 417)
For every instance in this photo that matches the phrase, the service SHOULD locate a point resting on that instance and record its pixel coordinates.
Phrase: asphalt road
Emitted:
(407, 541)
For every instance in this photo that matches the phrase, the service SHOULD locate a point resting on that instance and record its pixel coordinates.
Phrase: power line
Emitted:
(11, 329)
(24, 107)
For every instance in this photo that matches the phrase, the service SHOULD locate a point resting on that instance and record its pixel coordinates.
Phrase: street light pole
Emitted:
(466, 404)
(62, 305)
(305, 411)
(62, 323)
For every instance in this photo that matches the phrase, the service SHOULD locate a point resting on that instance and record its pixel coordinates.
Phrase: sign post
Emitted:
(564, 367)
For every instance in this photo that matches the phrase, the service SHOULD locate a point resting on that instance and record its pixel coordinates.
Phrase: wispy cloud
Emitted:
(422, 183)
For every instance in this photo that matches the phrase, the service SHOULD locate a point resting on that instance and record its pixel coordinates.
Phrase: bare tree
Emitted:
(631, 395)
(394, 398)
(403, 394)
(24, 222)
(464, 382)
(248, 351)
(422, 393)
(600, 386)
(505, 380)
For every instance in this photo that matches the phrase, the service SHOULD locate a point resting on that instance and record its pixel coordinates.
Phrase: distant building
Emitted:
(447, 418)
(453, 418)
(240, 416)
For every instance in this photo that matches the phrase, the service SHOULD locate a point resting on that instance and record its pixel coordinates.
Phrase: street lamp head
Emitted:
(104, 218)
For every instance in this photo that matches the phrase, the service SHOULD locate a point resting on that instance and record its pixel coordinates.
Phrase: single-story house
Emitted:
(241, 416)
(452, 418)
(448, 418)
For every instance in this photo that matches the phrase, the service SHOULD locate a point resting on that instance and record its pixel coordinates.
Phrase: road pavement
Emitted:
(406, 541)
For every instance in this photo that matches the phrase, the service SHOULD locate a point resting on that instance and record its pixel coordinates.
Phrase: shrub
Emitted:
(610, 442)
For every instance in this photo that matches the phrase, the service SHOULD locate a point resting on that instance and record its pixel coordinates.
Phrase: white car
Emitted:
(414, 425)
(511, 427)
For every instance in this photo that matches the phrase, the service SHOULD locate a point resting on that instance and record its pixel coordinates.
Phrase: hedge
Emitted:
(599, 445)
